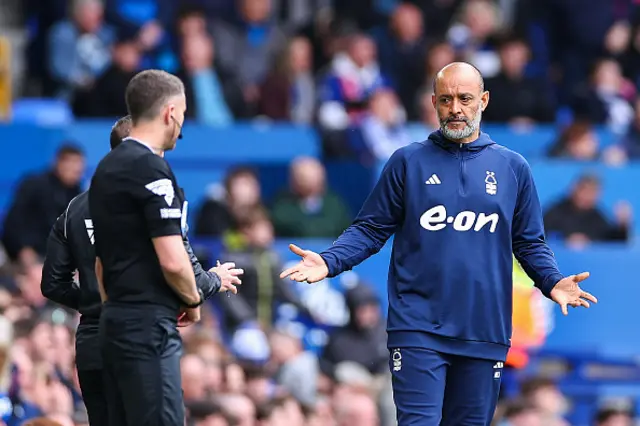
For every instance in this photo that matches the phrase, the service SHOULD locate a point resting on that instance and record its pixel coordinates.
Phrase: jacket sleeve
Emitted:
(57, 282)
(207, 282)
(528, 240)
(381, 214)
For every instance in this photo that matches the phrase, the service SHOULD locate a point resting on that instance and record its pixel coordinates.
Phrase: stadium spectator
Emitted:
(79, 48)
(516, 98)
(401, 48)
(288, 93)
(192, 369)
(578, 220)
(104, 99)
(207, 413)
(296, 369)
(474, 36)
(308, 208)
(191, 21)
(353, 75)
(521, 413)
(260, 387)
(577, 142)
(630, 142)
(428, 114)
(219, 211)
(602, 100)
(356, 409)
(363, 339)
(240, 407)
(262, 288)
(27, 281)
(214, 95)
(577, 36)
(439, 54)
(39, 199)
(248, 48)
(148, 21)
(545, 396)
(383, 129)
(213, 355)
(614, 417)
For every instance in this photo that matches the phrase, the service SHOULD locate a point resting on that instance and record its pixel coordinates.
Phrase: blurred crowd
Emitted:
(358, 71)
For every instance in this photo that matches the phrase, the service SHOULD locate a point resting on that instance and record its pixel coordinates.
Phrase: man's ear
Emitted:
(485, 100)
(170, 115)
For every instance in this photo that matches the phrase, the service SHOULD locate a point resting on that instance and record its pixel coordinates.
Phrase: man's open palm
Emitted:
(567, 292)
(311, 267)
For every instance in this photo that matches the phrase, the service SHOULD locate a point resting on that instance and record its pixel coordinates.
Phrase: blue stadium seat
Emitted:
(42, 112)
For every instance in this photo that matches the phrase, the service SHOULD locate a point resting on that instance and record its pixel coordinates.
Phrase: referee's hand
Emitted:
(189, 316)
(229, 276)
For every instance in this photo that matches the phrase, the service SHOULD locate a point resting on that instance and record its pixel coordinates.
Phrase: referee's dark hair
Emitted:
(148, 91)
(120, 130)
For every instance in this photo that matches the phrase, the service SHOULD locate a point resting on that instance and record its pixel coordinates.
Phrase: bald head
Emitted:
(459, 99)
(459, 71)
(307, 176)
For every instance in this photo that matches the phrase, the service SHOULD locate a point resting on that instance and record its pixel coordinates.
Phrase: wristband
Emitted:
(200, 302)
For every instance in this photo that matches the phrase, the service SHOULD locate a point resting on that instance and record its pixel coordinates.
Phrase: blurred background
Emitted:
(293, 107)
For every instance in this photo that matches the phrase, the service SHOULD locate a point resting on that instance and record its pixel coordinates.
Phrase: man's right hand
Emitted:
(311, 268)
(229, 276)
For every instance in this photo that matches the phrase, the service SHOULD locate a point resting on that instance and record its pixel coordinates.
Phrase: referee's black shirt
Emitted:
(134, 198)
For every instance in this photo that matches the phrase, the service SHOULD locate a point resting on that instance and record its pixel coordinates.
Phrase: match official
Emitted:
(142, 266)
(459, 205)
(70, 248)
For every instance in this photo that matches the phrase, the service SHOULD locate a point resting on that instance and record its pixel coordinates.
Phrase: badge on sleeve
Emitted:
(183, 222)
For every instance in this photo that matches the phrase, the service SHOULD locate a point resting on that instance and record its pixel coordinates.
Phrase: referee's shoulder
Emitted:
(78, 202)
(151, 163)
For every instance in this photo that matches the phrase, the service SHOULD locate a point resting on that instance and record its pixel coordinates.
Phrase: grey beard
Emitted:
(465, 132)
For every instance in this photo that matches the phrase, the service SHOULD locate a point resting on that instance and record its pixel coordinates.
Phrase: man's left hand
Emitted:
(567, 292)
(189, 316)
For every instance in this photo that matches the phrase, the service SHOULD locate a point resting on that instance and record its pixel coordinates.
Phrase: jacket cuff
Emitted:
(549, 283)
(332, 266)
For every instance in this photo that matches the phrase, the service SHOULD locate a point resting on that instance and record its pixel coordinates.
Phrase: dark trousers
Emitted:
(435, 389)
(92, 387)
(142, 370)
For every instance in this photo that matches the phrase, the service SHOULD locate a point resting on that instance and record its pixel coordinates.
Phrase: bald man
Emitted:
(458, 204)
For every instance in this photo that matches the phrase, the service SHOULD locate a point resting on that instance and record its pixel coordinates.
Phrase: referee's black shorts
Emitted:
(141, 349)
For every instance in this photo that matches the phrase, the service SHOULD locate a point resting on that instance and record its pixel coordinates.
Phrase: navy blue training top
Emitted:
(458, 212)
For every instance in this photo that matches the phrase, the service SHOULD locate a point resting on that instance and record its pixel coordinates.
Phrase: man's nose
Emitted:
(455, 107)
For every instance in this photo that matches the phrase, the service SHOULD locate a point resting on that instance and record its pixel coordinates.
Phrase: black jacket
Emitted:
(70, 248)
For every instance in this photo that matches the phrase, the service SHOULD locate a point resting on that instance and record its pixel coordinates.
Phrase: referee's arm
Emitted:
(155, 190)
(99, 277)
(59, 267)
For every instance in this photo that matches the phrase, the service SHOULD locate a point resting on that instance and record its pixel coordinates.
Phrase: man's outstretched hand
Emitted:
(567, 292)
(311, 267)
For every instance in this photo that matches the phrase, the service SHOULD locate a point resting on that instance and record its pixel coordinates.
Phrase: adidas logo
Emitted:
(88, 223)
(433, 180)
